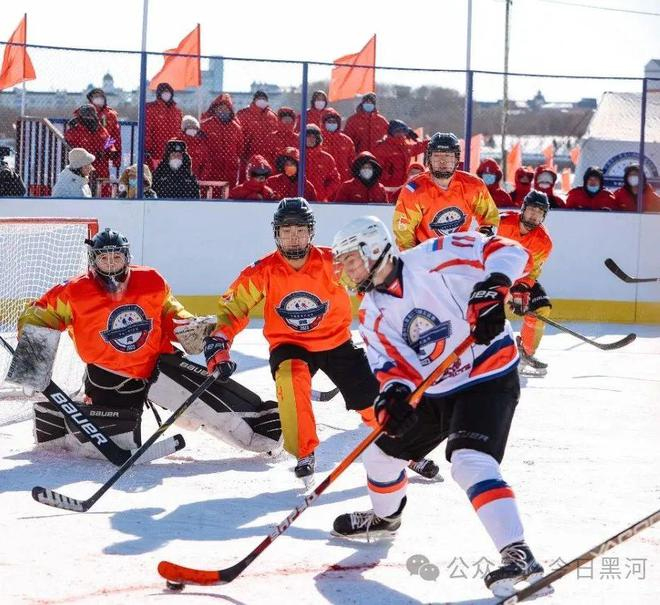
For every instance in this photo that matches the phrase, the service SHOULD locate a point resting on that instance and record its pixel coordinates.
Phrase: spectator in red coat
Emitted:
(257, 121)
(285, 183)
(592, 195)
(523, 177)
(625, 198)
(85, 131)
(366, 126)
(320, 166)
(254, 187)
(318, 105)
(490, 173)
(109, 119)
(197, 145)
(283, 136)
(162, 123)
(414, 169)
(394, 153)
(365, 185)
(337, 144)
(225, 141)
(545, 178)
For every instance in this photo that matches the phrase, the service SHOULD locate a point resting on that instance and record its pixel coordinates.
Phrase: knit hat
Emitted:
(79, 157)
(189, 122)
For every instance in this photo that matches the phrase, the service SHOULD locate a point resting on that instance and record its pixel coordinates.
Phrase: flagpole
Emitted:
(142, 102)
(24, 61)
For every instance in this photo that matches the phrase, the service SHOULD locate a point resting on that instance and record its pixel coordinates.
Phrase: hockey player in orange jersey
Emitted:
(442, 200)
(307, 318)
(527, 294)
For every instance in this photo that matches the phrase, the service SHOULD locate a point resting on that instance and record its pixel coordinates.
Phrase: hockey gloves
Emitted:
(519, 302)
(485, 310)
(216, 353)
(393, 412)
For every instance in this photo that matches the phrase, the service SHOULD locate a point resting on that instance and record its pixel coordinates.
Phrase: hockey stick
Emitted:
(567, 568)
(324, 395)
(177, 576)
(626, 340)
(79, 417)
(52, 498)
(621, 274)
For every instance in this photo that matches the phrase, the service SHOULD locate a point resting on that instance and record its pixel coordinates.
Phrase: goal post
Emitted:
(36, 253)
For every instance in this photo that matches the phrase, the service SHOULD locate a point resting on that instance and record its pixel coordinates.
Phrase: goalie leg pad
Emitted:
(32, 363)
(49, 427)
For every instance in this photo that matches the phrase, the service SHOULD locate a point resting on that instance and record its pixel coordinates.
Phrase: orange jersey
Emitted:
(425, 210)
(307, 307)
(123, 334)
(537, 242)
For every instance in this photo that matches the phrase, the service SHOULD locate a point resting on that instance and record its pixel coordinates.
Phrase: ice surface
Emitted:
(583, 459)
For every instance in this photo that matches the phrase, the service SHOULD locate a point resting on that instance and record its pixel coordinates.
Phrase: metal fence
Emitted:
(228, 143)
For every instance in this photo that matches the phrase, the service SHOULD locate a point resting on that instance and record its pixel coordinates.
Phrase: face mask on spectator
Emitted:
(320, 104)
(175, 163)
(287, 120)
(368, 107)
(331, 126)
(593, 188)
(191, 132)
(489, 179)
(290, 170)
(261, 103)
(132, 182)
(367, 172)
(98, 101)
(166, 96)
(223, 115)
(633, 180)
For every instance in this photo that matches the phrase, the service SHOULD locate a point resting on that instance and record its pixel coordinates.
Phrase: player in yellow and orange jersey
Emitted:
(442, 200)
(307, 318)
(527, 293)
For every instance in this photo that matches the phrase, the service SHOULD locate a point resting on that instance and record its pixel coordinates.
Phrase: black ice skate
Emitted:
(305, 466)
(529, 365)
(367, 524)
(426, 468)
(518, 565)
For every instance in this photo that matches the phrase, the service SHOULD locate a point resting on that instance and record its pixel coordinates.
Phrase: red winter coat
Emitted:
(315, 116)
(257, 124)
(339, 146)
(163, 122)
(394, 155)
(283, 186)
(366, 129)
(98, 143)
(356, 190)
(198, 150)
(580, 199)
(279, 139)
(522, 189)
(501, 198)
(110, 120)
(252, 190)
(555, 200)
(225, 143)
(321, 170)
(626, 200)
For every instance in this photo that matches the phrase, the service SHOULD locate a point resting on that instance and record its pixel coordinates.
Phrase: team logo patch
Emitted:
(128, 328)
(448, 220)
(302, 311)
(425, 334)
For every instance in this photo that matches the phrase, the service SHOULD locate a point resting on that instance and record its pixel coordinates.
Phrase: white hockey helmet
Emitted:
(368, 236)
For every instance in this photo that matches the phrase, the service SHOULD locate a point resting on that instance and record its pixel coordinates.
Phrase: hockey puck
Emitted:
(174, 585)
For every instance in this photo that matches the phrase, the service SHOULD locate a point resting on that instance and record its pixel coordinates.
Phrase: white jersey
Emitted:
(410, 329)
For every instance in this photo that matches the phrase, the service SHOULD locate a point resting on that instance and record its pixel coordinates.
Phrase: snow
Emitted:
(582, 459)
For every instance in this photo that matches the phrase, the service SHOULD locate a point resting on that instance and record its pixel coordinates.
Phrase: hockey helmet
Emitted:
(110, 274)
(293, 211)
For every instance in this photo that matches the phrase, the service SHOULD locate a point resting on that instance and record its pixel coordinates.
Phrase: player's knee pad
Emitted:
(469, 467)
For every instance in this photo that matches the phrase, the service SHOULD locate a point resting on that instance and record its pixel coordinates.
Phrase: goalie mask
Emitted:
(359, 250)
(109, 257)
(293, 212)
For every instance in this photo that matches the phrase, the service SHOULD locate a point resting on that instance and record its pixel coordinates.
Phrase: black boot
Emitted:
(305, 466)
(366, 524)
(424, 467)
(518, 564)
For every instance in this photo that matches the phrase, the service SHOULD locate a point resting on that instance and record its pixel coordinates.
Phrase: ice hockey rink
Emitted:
(582, 457)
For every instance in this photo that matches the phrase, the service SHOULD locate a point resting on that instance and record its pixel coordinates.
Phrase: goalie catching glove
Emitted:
(191, 332)
(216, 353)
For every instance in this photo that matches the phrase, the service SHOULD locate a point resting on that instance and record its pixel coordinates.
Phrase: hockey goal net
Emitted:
(36, 254)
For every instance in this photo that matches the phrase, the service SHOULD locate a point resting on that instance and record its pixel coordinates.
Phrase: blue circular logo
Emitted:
(448, 220)
(302, 311)
(425, 334)
(128, 328)
(614, 167)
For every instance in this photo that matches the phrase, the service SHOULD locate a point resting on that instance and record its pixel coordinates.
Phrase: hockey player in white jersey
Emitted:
(418, 306)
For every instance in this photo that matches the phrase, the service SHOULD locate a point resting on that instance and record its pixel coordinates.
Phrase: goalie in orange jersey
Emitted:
(307, 318)
(527, 294)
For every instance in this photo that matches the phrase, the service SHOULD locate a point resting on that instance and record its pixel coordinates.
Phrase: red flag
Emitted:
(346, 81)
(575, 155)
(476, 142)
(181, 72)
(16, 64)
(513, 162)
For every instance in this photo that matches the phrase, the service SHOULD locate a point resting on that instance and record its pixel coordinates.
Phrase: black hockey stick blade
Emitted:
(590, 555)
(324, 395)
(52, 498)
(621, 274)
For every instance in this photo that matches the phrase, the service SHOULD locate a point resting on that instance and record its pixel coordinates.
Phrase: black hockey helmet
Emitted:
(443, 141)
(103, 242)
(293, 211)
(537, 199)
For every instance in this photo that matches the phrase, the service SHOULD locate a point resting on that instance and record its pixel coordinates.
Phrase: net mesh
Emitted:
(36, 255)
